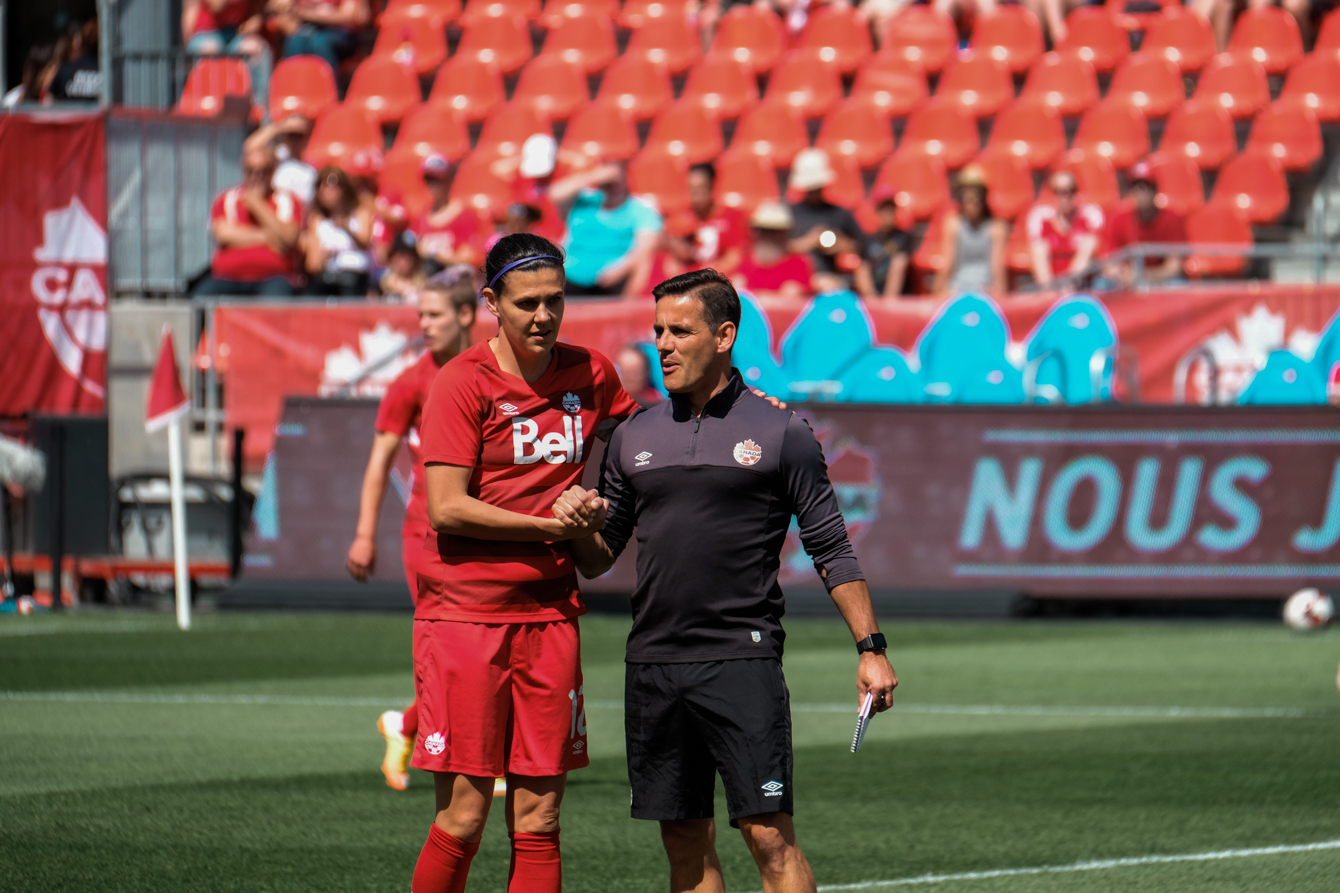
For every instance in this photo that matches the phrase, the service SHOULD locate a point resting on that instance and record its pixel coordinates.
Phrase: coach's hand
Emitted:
(362, 558)
(771, 399)
(581, 511)
(875, 675)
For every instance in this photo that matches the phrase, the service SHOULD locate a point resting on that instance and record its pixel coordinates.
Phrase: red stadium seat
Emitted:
(1182, 36)
(1150, 82)
(602, 131)
(752, 35)
(919, 181)
(401, 176)
(847, 189)
(1254, 183)
(440, 11)
(662, 177)
(840, 35)
(773, 130)
(477, 185)
(723, 85)
(893, 82)
(1065, 81)
(857, 128)
(1179, 182)
(1328, 36)
(637, 13)
(1238, 83)
(1094, 173)
(345, 135)
(1094, 34)
(471, 87)
(502, 40)
(1313, 81)
(1018, 256)
(418, 44)
(555, 11)
(929, 257)
(743, 180)
(1030, 129)
(588, 41)
(475, 10)
(671, 40)
(1288, 130)
(1116, 130)
(383, 88)
(638, 85)
(301, 85)
(687, 130)
(555, 86)
(1270, 36)
(431, 129)
(944, 128)
(923, 34)
(508, 127)
(977, 82)
(805, 81)
(1202, 131)
(1011, 34)
(210, 82)
(1216, 225)
(1009, 182)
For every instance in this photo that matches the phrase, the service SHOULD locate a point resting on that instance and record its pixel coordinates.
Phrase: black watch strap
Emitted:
(873, 642)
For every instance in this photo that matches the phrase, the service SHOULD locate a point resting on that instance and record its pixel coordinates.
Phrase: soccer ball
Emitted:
(1308, 609)
(26, 604)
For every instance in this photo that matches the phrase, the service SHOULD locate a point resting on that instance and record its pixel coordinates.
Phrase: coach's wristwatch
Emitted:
(873, 642)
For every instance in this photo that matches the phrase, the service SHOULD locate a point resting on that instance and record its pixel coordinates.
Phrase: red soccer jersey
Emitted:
(725, 229)
(442, 235)
(760, 278)
(259, 261)
(1041, 224)
(401, 413)
(1126, 228)
(527, 443)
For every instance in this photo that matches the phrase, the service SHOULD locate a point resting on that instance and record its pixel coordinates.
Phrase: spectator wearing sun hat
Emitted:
(828, 233)
(1143, 221)
(974, 241)
(451, 232)
(770, 266)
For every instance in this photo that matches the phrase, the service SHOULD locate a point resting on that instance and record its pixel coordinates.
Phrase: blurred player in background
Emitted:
(447, 305)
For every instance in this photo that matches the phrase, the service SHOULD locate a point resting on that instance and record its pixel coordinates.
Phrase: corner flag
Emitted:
(167, 404)
(167, 399)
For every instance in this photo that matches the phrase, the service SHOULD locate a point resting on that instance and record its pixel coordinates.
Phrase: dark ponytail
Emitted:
(520, 251)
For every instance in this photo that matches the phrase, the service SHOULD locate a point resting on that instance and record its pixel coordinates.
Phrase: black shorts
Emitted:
(687, 722)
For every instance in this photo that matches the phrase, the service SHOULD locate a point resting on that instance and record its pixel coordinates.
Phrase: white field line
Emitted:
(1089, 865)
(98, 697)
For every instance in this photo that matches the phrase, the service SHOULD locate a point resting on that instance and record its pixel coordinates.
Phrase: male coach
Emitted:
(710, 480)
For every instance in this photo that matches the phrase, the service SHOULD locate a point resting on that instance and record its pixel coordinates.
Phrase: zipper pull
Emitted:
(697, 421)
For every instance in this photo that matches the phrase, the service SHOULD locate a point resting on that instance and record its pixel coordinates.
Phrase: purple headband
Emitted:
(517, 263)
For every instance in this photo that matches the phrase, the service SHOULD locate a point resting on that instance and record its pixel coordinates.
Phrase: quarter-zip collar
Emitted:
(716, 407)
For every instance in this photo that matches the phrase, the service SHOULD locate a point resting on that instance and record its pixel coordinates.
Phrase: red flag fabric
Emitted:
(167, 400)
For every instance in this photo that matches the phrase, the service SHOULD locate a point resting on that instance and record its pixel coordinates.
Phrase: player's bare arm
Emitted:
(362, 558)
(590, 553)
(875, 674)
(451, 509)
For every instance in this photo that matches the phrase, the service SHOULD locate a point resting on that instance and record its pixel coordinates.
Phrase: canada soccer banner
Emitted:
(53, 264)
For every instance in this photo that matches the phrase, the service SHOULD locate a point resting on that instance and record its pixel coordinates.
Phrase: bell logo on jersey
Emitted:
(435, 743)
(571, 402)
(748, 453)
(529, 447)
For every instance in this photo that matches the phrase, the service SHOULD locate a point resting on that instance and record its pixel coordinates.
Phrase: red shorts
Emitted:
(499, 698)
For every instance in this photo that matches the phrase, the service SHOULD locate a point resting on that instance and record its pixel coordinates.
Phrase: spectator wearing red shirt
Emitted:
(452, 232)
(530, 174)
(210, 27)
(1143, 221)
(705, 235)
(1063, 238)
(771, 266)
(255, 228)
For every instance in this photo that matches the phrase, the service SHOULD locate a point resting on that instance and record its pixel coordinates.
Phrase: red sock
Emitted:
(409, 725)
(536, 864)
(444, 863)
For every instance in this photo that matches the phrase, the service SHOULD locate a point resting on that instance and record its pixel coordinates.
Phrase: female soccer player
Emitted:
(447, 307)
(496, 649)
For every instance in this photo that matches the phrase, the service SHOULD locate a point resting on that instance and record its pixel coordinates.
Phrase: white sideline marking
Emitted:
(1090, 865)
(111, 697)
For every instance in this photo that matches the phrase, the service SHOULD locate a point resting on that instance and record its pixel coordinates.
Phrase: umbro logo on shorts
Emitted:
(578, 746)
(643, 457)
(435, 744)
(773, 789)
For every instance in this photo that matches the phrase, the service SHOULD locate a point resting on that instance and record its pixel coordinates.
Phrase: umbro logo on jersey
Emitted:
(643, 457)
(435, 743)
(773, 789)
(508, 409)
(748, 453)
(571, 402)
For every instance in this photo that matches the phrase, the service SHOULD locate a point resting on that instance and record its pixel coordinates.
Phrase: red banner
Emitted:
(268, 352)
(53, 264)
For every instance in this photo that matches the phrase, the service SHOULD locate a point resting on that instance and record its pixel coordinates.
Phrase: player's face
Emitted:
(441, 323)
(688, 346)
(529, 309)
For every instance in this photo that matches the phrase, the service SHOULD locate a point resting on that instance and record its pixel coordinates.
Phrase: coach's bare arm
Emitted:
(874, 674)
(451, 509)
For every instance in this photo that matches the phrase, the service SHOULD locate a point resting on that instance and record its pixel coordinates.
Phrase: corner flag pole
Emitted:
(167, 404)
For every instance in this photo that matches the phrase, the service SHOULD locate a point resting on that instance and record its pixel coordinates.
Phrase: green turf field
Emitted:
(242, 756)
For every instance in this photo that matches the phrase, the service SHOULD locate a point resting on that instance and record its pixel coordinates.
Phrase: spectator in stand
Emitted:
(771, 266)
(974, 241)
(1063, 238)
(403, 276)
(706, 234)
(1052, 14)
(338, 239)
(611, 234)
(325, 28)
(210, 27)
(390, 220)
(452, 232)
(515, 218)
(1223, 13)
(79, 77)
(634, 368)
(828, 233)
(289, 139)
(1143, 221)
(255, 228)
(30, 88)
(531, 174)
(887, 251)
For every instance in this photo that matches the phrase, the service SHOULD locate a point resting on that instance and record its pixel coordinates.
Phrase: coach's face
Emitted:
(529, 308)
(692, 352)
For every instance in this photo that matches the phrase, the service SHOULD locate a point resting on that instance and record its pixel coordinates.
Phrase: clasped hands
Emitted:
(580, 512)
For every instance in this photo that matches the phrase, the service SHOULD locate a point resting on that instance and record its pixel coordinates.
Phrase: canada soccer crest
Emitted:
(69, 287)
(748, 453)
(571, 402)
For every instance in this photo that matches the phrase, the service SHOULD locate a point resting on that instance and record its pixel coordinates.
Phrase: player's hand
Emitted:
(771, 399)
(875, 675)
(362, 558)
(578, 508)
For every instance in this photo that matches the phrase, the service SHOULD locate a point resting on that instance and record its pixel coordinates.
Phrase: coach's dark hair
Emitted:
(720, 301)
(707, 168)
(515, 249)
